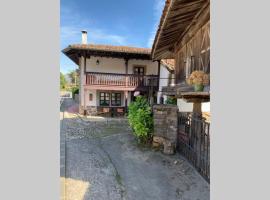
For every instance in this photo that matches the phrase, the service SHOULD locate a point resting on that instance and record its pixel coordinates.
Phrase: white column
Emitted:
(82, 82)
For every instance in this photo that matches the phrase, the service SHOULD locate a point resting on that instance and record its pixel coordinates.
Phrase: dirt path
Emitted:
(101, 161)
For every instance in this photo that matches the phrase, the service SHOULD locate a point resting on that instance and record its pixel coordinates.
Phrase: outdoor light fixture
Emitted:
(97, 62)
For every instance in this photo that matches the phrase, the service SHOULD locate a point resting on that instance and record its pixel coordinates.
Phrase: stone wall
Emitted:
(165, 127)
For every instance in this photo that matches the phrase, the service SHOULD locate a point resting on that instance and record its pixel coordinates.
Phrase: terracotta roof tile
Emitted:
(110, 48)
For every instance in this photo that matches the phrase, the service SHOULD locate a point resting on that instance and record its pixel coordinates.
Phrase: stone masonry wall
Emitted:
(165, 127)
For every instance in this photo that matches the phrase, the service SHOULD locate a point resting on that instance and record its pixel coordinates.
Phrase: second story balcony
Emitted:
(130, 81)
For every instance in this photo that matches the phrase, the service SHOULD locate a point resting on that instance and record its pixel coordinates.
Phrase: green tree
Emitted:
(74, 76)
(63, 81)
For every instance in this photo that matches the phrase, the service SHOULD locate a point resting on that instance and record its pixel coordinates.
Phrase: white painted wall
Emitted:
(151, 68)
(163, 81)
(188, 107)
(116, 65)
(82, 78)
(94, 101)
(106, 65)
(206, 107)
(184, 106)
(129, 98)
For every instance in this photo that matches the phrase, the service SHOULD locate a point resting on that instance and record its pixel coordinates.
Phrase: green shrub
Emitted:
(141, 119)
(74, 90)
(171, 100)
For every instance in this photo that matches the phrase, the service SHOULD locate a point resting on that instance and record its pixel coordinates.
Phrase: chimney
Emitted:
(84, 37)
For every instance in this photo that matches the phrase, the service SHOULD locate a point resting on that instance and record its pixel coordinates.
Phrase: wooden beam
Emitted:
(198, 21)
(158, 72)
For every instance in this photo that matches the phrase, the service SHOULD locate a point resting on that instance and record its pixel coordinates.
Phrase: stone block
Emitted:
(158, 139)
(156, 145)
(169, 147)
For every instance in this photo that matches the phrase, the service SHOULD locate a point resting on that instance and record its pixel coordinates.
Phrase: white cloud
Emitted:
(158, 8)
(73, 34)
(73, 23)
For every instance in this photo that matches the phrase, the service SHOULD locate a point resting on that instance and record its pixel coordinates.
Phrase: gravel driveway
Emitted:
(101, 160)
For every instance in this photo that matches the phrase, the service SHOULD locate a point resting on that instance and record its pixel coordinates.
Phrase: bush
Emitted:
(74, 90)
(141, 119)
(171, 100)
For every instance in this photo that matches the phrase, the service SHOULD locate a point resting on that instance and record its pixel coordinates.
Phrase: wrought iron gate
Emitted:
(194, 142)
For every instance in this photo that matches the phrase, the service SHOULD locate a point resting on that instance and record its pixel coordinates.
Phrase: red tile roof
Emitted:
(110, 48)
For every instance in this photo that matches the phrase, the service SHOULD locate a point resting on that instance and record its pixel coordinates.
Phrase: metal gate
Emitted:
(193, 142)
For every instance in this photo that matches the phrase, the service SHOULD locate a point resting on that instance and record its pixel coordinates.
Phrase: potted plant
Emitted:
(198, 79)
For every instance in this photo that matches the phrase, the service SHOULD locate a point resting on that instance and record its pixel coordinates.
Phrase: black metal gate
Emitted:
(194, 142)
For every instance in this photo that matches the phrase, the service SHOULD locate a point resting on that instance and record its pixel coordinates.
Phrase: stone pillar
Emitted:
(165, 127)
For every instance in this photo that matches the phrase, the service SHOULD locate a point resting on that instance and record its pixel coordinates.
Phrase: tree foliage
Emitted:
(63, 81)
(74, 90)
(141, 119)
(171, 100)
(74, 77)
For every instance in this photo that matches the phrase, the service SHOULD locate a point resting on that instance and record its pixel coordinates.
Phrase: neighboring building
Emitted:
(184, 35)
(166, 79)
(110, 76)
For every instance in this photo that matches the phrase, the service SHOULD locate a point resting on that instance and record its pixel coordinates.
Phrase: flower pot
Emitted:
(198, 87)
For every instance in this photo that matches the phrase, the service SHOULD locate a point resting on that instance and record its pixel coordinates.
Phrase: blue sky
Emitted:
(114, 22)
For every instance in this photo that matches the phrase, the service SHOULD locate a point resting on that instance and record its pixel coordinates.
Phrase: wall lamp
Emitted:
(97, 62)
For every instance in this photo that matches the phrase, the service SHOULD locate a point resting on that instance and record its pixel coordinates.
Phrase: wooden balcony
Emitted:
(121, 80)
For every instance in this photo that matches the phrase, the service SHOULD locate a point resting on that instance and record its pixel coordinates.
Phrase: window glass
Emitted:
(139, 70)
(116, 99)
(104, 99)
(90, 97)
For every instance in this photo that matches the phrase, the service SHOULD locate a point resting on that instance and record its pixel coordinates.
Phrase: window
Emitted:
(90, 97)
(139, 70)
(116, 99)
(104, 98)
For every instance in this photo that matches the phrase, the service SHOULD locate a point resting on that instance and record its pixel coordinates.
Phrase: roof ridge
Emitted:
(108, 45)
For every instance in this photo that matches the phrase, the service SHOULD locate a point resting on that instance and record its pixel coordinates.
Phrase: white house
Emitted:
(111, 75)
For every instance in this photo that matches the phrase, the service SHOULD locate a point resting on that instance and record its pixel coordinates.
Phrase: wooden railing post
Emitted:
(126, 80)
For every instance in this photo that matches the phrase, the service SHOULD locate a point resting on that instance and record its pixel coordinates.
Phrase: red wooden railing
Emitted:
(128, 80)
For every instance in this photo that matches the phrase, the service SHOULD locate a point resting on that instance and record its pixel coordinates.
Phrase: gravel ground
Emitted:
(101, 160)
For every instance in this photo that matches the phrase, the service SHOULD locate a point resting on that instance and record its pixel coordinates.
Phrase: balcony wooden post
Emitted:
(158, 73)
(126, 70)
(126, 97)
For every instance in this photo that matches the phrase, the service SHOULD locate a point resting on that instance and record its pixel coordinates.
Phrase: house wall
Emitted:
(194, 54)
(188, 107)
(116, 65)
(163, 81)
(94, 101)
(109, 65)
(151, 68)
(81, 89)
(198, 47)
(106, 65)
